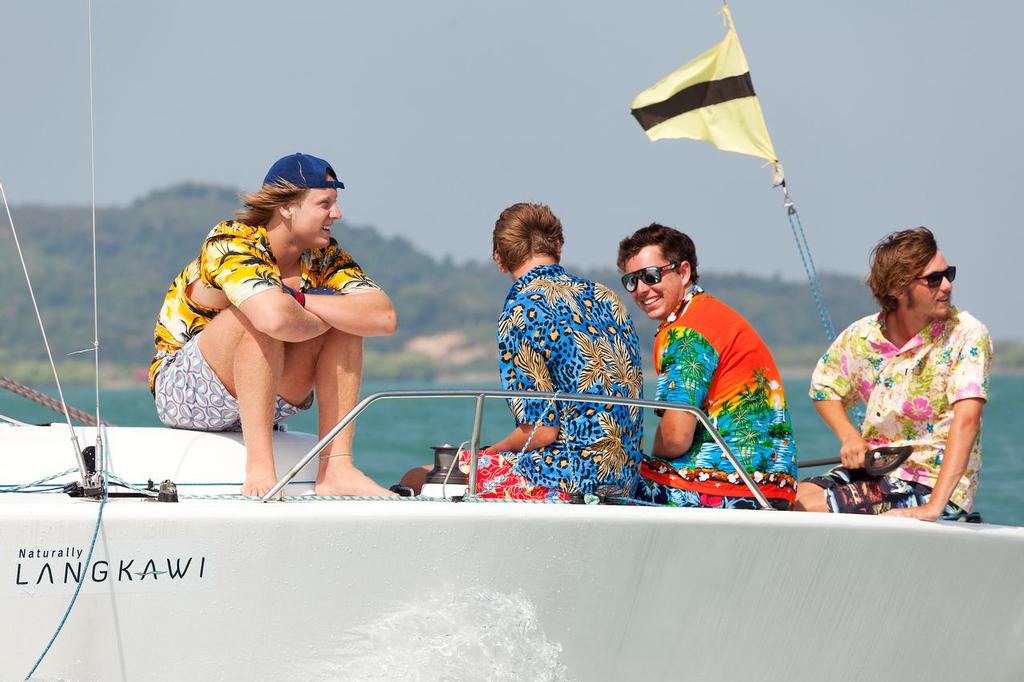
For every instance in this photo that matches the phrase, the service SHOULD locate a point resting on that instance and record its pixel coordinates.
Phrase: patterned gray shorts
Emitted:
(189, 395)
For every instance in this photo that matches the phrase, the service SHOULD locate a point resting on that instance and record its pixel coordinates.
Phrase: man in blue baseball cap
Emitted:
(272, 309)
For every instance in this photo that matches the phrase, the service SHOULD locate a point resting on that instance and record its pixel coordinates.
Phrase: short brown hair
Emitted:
(525, 230)
(261, 204)
(896, 262)
(676, 246)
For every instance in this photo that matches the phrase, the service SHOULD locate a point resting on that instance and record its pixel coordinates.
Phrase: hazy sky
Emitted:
(438, 114)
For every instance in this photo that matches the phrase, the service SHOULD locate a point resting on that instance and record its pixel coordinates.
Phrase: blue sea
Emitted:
(394, 435)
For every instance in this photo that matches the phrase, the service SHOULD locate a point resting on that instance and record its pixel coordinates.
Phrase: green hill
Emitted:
(446, 310)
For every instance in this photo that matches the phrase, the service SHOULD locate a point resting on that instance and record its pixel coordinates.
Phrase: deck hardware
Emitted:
(168, 492)
(402, 490)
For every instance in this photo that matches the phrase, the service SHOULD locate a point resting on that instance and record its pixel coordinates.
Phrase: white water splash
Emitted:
(475, 634)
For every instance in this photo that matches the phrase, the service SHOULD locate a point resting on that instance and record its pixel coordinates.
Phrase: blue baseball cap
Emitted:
(304, 171)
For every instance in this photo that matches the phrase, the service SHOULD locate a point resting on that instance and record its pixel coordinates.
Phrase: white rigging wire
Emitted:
(42, 329)
(100, 454)
(100, 476)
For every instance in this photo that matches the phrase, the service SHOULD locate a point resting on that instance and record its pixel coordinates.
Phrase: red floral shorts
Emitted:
(496, 477)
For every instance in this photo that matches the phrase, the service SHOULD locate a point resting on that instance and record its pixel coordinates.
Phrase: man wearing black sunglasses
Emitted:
(921, 368)
(706, 355)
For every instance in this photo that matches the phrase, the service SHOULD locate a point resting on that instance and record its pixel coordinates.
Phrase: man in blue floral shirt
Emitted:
(560, 333)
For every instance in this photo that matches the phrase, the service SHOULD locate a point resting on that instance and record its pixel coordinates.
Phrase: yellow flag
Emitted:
(711, 98)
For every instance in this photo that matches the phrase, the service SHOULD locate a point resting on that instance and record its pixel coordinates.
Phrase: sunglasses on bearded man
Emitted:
(649, 276)
(933, 280)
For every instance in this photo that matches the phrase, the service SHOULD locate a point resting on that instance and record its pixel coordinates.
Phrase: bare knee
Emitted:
(229, 329)
(343, 340)
(341, 350)
(331, 341)
(322, 362)
(415, 478)
(810, 497)
(230, 340)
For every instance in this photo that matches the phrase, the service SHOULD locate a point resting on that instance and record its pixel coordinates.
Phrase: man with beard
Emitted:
(921, 368)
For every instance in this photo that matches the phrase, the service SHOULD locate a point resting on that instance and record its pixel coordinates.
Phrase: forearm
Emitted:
(300, 325)
(962, 434)
(674, 435)
(662, 448)
(518, 438)
(280, 316)
(834, 415)
(360, 314)
(852, 446)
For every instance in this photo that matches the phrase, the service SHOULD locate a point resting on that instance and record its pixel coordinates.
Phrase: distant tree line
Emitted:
(142, 246)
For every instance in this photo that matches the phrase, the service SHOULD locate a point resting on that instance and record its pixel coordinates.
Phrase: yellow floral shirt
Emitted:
(909, 392)
(236, 259)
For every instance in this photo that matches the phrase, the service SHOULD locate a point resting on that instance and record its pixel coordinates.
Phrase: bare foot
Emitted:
(259, 482)
(350, 481)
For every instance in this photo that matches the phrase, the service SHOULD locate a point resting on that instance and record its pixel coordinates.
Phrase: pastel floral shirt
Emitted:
(562, 333)
(236, 259)
(909, 392)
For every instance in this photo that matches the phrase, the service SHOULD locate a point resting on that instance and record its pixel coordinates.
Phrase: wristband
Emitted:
(299, 297)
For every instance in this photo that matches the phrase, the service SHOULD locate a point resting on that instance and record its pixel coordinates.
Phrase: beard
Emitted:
(940, 310)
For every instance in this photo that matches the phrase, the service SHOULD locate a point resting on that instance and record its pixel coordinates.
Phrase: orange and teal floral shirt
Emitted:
(236, 259)
(709, 356)
(909, 392)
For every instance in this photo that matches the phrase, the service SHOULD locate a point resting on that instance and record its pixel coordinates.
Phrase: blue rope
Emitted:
(813, 280)
(856, 413)
(182, 485)
(16, 487)
(85, 571)
(39, 490)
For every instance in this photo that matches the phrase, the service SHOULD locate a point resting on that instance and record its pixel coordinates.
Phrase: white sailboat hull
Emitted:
(228, 589)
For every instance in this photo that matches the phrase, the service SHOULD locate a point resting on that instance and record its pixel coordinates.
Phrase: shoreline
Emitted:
(472, 378)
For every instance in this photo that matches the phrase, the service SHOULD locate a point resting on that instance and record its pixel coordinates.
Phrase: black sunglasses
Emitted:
(650, 276)
(933, 280)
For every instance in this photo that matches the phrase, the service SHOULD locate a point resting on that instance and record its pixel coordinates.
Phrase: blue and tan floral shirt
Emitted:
(559, 332)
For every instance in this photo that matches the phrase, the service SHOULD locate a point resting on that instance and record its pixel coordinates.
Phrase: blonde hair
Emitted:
(261, 204)
(896, 262)
(524, 230)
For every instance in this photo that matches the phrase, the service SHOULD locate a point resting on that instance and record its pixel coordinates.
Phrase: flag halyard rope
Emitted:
(813, 279)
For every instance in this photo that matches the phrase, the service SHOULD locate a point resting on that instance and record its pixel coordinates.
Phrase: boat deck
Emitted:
(238, 589)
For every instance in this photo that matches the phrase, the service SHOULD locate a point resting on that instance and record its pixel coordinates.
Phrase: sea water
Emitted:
(395, 435)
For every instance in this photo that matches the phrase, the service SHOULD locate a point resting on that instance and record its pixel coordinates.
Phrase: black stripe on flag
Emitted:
(696, 96)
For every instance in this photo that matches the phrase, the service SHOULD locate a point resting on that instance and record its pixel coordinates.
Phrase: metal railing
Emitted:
(479, 395)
